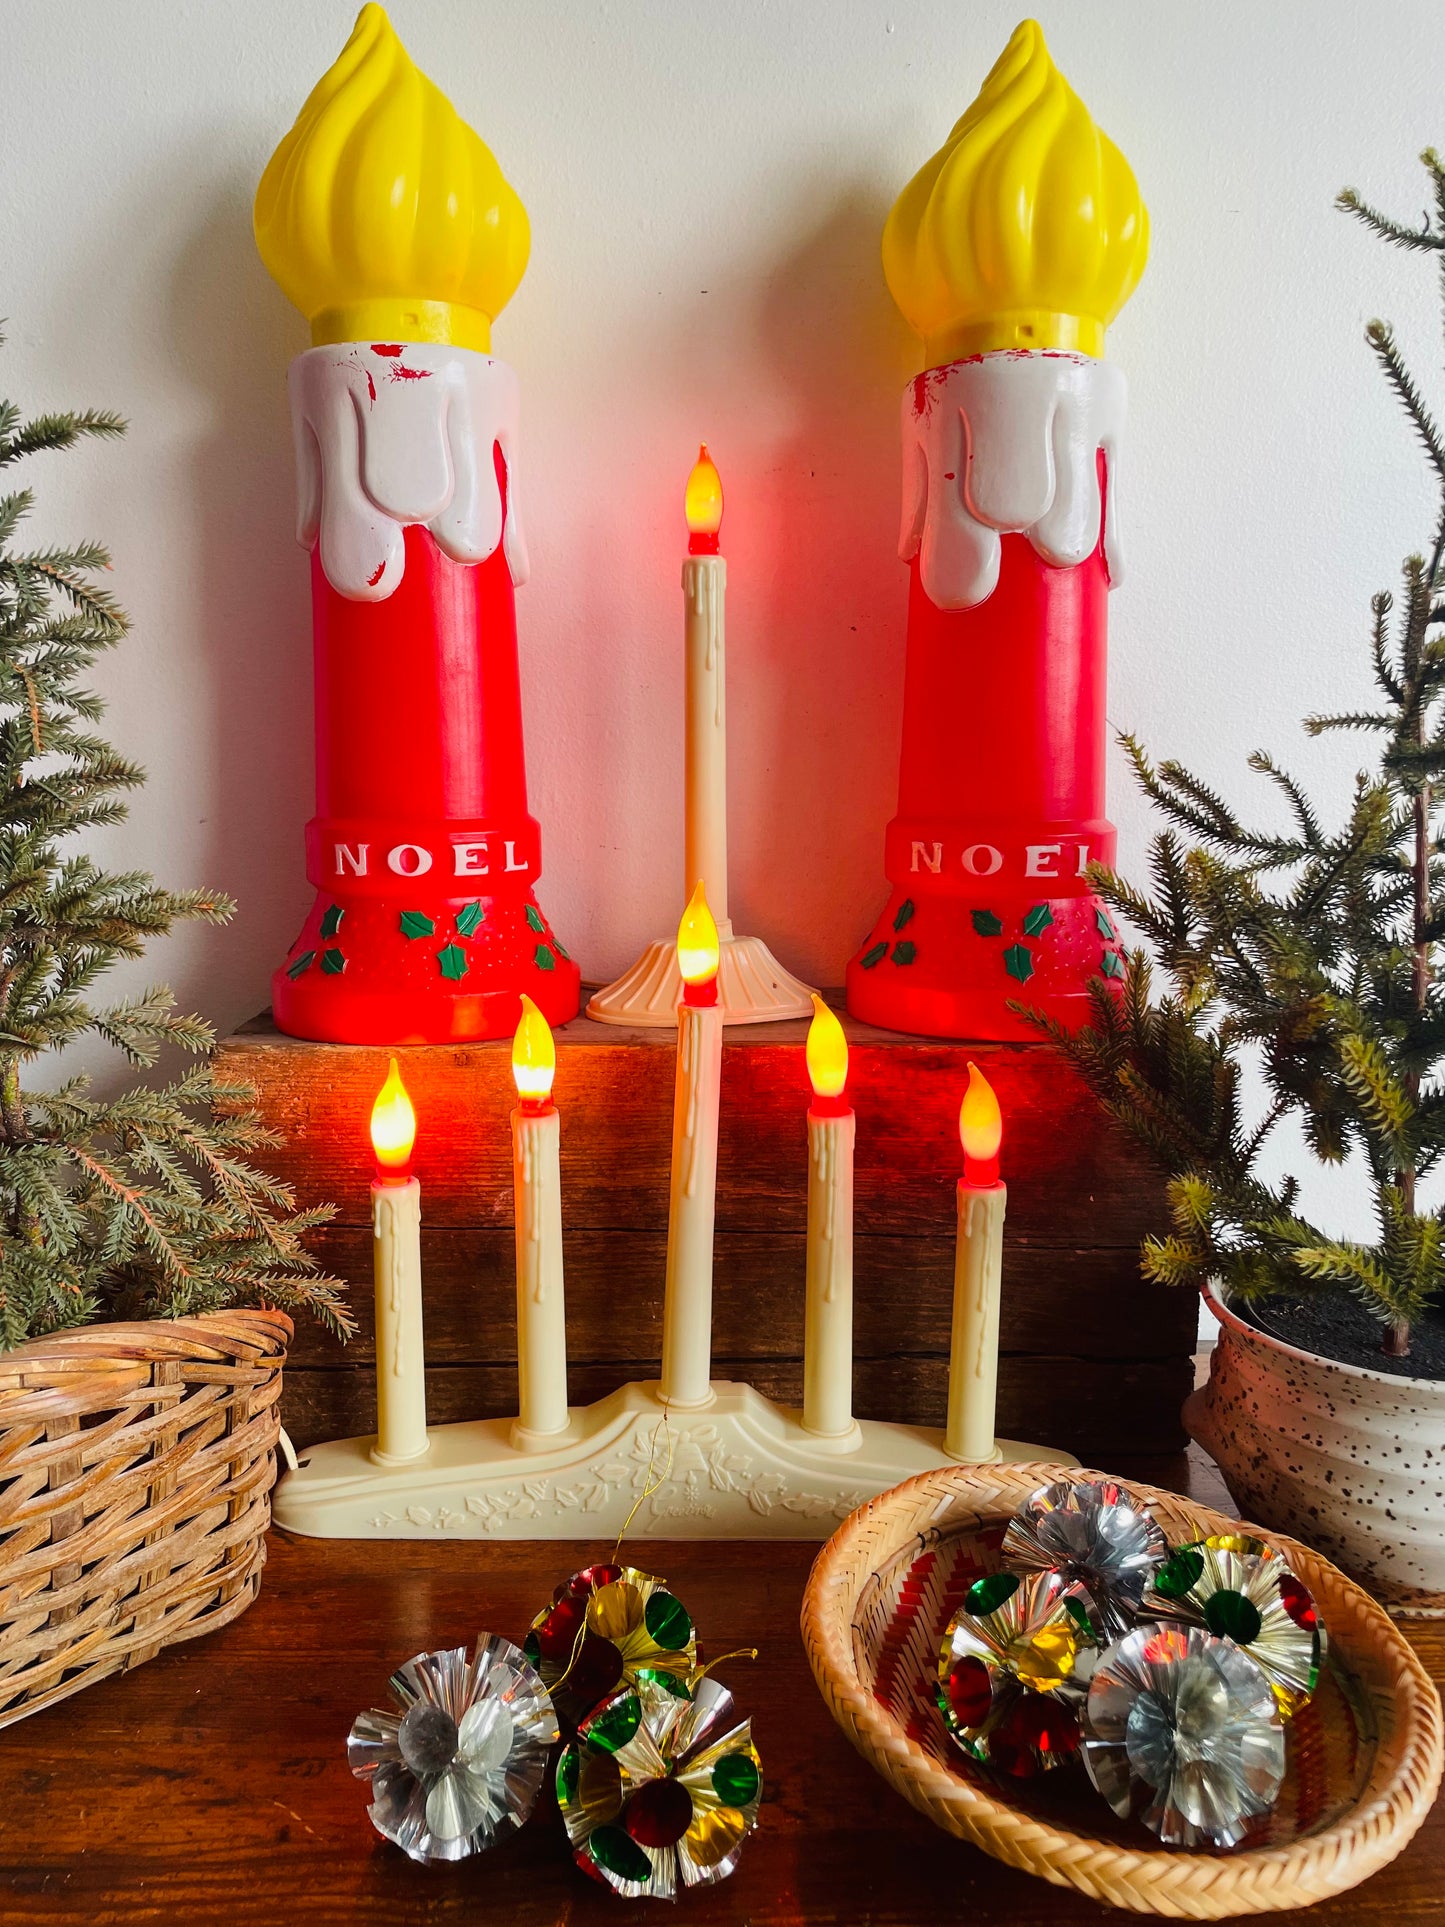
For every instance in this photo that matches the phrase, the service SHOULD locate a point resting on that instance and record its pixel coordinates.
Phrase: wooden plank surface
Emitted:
(1110, 1355)
(212, 1783)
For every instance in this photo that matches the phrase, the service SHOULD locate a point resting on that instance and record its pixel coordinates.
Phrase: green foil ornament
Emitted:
(660, 1788)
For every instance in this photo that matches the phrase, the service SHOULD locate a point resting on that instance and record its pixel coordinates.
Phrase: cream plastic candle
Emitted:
(687, 1306)
(828, 1317)
(704, 589)
(978, 1270)
(537, 1211)
(396, 1249)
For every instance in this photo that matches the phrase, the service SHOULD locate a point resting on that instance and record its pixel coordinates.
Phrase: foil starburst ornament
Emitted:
(660, 1788)
(1095, 1532)
(464, 1757)
(1013, 1665)
(606, 1624)
(1240, 1589)
(1181, 1731)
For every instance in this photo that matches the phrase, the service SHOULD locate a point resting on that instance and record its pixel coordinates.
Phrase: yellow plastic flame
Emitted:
(382, 215)
(393, 1123)
(827, 1051)
(1026, 229)
(697, 940)
(980, 1122)
(534, 1054)
(703, 501)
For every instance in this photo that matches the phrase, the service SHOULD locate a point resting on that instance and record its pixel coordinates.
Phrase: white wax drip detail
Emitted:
(1009, 443)
(527, 1144)
(689, 1041)
(387, 439)
(393, 1248)
(703, 581)
(824, 1159)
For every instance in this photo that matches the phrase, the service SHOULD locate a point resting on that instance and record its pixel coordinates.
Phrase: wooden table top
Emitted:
(212, 1784)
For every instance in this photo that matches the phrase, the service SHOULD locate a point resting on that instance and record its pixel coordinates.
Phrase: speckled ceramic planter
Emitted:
(1350, 1461)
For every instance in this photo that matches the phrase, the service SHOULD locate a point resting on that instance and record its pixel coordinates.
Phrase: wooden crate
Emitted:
(1094, 1359)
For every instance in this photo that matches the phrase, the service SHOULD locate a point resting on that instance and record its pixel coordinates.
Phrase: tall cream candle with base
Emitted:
(537, 1211)
(396, 1247)
(978, 1270)
(828, 1313)
(705, 763)
(687, 1307)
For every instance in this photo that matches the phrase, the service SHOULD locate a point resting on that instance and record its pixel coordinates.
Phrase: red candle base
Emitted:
(1001, 810)
(358, 975)
(425, 928)
(957, 980)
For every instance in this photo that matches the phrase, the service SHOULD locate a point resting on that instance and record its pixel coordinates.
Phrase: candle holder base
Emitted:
(740, 1468)
(752, 987)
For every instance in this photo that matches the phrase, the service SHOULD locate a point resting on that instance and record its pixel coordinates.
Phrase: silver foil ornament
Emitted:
(1181, 1731)
(1241, 1589)
(1095, 1532)
(660, 1788)
(464, 1757)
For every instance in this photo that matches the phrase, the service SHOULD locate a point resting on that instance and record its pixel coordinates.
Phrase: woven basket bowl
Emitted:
(136, 1466)
(1364, 1759)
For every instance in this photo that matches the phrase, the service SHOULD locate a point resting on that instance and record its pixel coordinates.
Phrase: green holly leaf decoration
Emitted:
(536, 919)
(560, 951)
(415, 923)
(543, 958)
(331, 922)
(333, 962)
(468, 917)
(987, 924)
(1018, 962)
(1106, 929)
(873, 957)
(299, 964)
(452, 961)
(1113, 964)
(905, 952)
(1038, 919)
(905, 913)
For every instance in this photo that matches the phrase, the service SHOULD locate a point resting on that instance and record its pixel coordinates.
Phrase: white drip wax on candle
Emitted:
(978, 1271)
(687, 1306)
(704, 588)
(828, 1314)
(396, 1250)
(537, 1203)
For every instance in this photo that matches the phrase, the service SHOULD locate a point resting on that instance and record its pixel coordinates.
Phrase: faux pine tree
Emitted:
(145, 1204)
(1316, 949)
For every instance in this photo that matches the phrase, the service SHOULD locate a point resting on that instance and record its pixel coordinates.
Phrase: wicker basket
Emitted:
(136, 1465)
(1365, 1754)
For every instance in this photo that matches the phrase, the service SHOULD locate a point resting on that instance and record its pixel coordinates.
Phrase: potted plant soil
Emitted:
(147, 1265)
(1312, 955)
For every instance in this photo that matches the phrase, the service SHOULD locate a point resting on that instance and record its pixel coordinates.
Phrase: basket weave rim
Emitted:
(1181, 1884)
(214, 1332)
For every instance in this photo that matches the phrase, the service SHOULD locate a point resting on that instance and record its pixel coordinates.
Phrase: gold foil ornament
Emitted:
(1013, 1665)
(660, 1788)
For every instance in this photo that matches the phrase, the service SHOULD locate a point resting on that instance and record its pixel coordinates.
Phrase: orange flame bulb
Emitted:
(980, 1127)
(534, 1055)
(703, 505)
(698, 954)
(393, 1124)
(827, 1052)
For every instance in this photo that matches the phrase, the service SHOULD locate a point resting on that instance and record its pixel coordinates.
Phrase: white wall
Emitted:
(707, 181)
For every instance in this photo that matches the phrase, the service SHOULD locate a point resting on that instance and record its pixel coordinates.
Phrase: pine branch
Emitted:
(150, 1203)
(1421, 239)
